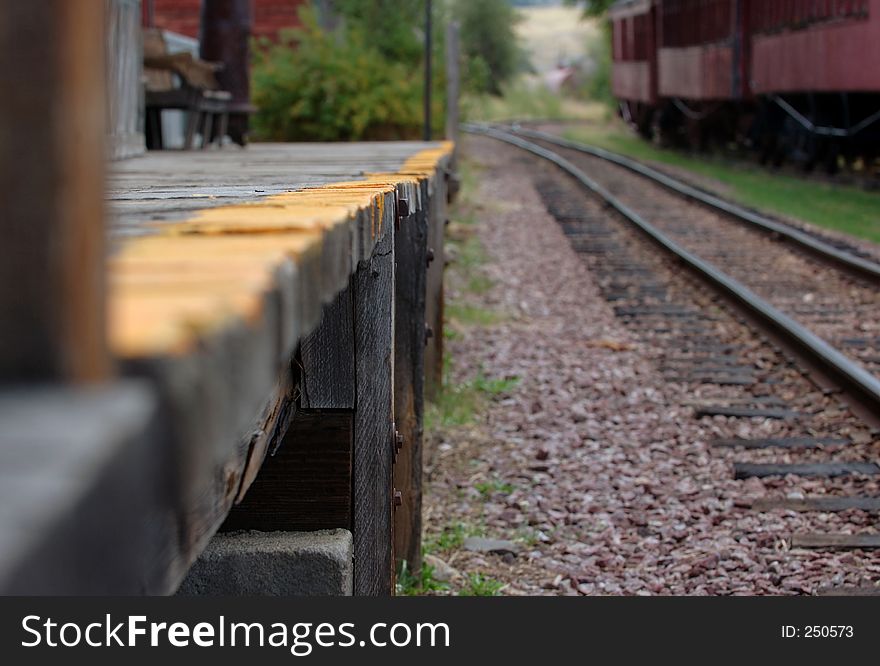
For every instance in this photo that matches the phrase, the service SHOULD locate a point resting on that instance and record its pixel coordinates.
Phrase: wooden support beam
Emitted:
(373, 295)
(327, 358)
(410, 249)
(347, 363)
(52, 177)
(434, 289)
(226, 27)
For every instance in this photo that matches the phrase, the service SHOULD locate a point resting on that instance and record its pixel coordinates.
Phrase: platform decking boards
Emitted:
(165, 187)
(222, 262)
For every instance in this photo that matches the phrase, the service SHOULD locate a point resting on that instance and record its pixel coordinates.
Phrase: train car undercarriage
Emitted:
(831, 131)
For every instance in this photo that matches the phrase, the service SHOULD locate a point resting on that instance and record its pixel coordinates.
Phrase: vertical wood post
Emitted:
(225, 33)
(51, 175)
(373, 298)
(434, 288)
(348, 364)
(429, 47)
(453, 80)
(410, 249)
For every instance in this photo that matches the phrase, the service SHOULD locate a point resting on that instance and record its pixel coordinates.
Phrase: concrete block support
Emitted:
(273, 564)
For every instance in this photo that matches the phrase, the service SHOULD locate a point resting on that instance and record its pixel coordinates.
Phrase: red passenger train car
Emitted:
(796, 79)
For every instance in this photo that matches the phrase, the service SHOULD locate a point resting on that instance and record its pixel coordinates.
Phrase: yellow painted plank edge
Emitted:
(195, 277)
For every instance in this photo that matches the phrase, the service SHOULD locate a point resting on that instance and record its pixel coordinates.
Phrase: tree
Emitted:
(488, 42)
(396, 27)
(592, 7)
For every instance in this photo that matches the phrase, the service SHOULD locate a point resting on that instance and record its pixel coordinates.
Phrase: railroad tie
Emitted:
(830, 541)
(746, 412)
(823, 470)
(780, 442)
(820, 504)
(866, 591)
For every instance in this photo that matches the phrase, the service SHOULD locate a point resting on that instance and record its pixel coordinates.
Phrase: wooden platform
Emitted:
(244, 285)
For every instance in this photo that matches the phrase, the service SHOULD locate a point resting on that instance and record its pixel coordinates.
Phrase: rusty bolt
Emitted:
(398, 441)
(429, 333)
(398, 498)
(430, 255)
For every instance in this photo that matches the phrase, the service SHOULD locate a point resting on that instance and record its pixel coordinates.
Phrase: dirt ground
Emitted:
(572, 448)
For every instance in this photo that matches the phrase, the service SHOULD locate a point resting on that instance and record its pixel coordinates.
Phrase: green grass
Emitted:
(410, 584)
(494, 387)
(478, 284)
(458, 404)
(489, 488)
(471, 315)
(524, 100)
(452, 537)
(469, 176)
(839, 207)
(470, 253)
(479, 585)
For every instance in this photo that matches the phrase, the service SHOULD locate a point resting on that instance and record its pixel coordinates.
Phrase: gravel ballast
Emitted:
(593, 463)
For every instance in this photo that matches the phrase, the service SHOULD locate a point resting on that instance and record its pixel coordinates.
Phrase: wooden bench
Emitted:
(180, 81)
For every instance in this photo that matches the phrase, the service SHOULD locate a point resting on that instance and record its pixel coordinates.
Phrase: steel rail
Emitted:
(864, 268)
(848, 374)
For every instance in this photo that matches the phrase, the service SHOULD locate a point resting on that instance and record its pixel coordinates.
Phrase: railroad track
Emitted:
(789, 409)
(834, 251)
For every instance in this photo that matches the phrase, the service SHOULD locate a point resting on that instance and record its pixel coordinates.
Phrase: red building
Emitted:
(269, 17)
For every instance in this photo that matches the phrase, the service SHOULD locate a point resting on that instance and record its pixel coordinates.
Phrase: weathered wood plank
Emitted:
(211, 404)
(373, 297)
(327, 357)
(278, 416)
(410, 250)
(52, 295)
(825, 470)
(820, 541)
(83, 490)
(434, 300)
(306, 484)
(818, 504)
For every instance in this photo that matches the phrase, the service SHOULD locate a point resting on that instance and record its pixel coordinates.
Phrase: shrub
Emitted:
(489, 44)
(331, 86)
